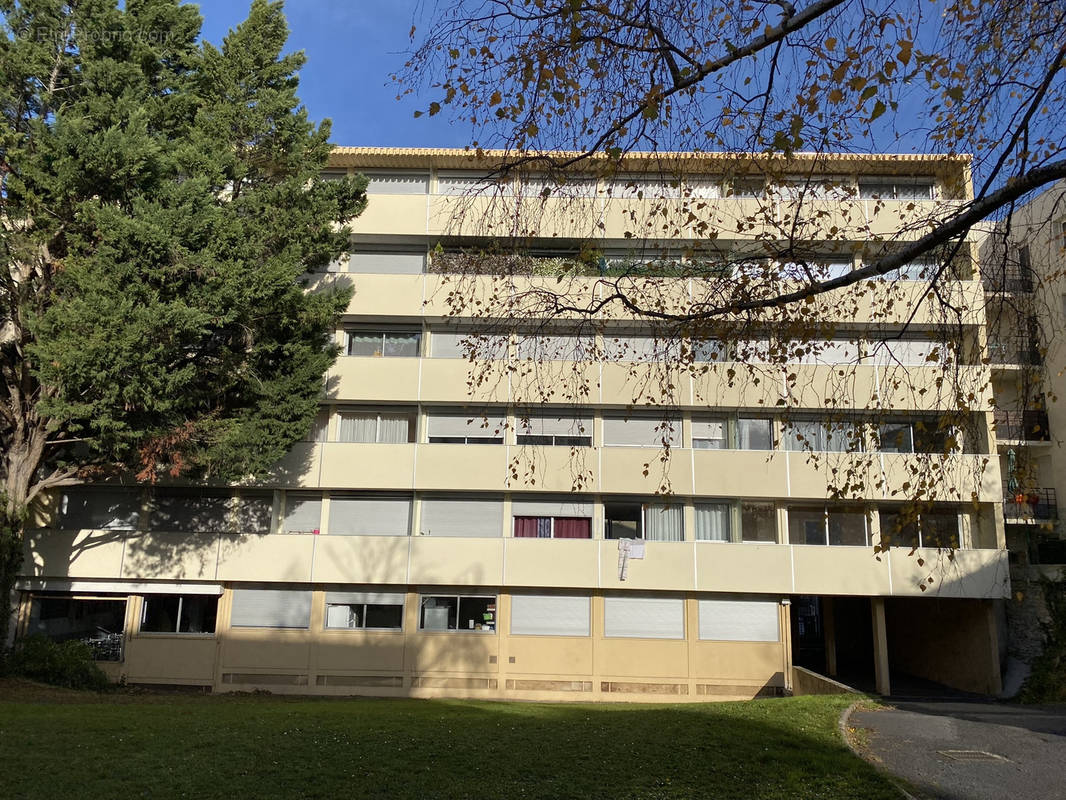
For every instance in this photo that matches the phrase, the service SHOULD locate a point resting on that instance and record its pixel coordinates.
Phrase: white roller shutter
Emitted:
(447, 517)
(369, 516)
(369, 598)
(270, 608)
(550, 508)
(644, 617)
(387, 263)
(739, 620)
(547, 425)
(549, 615)
(303, 513)
(639, 432)
(469, 424)
(397, 182)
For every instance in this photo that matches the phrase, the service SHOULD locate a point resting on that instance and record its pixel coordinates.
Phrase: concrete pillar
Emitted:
(881, 677)
(830, 633)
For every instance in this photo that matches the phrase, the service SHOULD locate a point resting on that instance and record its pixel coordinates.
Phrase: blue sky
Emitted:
(352, 46)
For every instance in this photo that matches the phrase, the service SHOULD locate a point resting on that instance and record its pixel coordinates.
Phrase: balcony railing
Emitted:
(1011, 281)
(1038, 505)
(1028, 426)
(1014, 350)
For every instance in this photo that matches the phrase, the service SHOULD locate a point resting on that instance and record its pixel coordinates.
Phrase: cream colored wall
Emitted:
(550, 563)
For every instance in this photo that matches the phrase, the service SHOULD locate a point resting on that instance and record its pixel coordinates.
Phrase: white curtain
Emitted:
(712, 522)
(358, 427)
(663, 523)
(394, 429)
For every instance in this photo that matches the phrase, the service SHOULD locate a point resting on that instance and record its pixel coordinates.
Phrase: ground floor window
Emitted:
(97, 621)
(458, 612)
(364, 610)
(179, 613)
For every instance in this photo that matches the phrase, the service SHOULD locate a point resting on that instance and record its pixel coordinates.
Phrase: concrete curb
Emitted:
(842, 723)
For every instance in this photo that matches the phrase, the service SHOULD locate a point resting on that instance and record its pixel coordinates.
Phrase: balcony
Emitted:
(1022, 426)
(1015, 280)
(1014, 351)
(1032, 505)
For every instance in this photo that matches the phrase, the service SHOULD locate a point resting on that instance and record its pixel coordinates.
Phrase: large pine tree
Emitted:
(160, 208)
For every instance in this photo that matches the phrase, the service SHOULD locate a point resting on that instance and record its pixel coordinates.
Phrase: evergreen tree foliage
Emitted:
(161, 211)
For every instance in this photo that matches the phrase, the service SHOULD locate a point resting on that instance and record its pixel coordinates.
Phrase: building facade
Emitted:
(498, 527)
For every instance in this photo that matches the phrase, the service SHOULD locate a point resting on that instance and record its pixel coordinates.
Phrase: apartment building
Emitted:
(555, 519)
(1024, 265)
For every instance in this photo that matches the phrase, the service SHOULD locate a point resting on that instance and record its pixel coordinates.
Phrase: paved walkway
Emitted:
(1007, 752)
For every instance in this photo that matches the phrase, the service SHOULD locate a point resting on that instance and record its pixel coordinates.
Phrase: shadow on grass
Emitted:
(267, 747)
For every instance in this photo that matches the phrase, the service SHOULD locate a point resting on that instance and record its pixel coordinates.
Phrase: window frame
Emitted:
(385, 334)
(145, 606)
(402, 605)
(495, 601)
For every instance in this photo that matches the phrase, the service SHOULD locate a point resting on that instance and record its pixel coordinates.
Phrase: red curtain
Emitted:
(572, 528)
(525, 527)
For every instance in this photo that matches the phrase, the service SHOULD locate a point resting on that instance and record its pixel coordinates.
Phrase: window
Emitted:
(710, 434)
(551, 430)
(401, 182)
(179, 613)
(382, 261)
(99, 622)
(270, 608)
(895, 189)
(640, 349)
(739, 620)
(550, 615)
(746, 187)
(110, 509)
(833, 526)
(754, 433)
(552, 527)
(364, 610)
(758, 522)
(641, 432)
(467, 345)
(654, 522)
(813, 268)
(303, 513)
(384, 344)
(644, 617)
(830, 351)
(911, 352)
(703, 188)
(919, 436)
(465, 428)
(823, 436)
(319, 427)
(939, 529)
(709, 351)
(714, 522)
(462, 518)
(462, 183)
(376, 427)
(353, 515)
(190, 511)
(543, 347)
(458, 613)
(255, 511)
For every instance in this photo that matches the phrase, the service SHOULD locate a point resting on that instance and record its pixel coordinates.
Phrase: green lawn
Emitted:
(238, 747)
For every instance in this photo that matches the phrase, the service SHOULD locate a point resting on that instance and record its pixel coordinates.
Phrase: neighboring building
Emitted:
(403, 550)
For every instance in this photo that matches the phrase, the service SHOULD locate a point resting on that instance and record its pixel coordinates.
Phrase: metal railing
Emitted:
(1028, 426)
(1039, 505)
(1014, 350)
(1012, 281)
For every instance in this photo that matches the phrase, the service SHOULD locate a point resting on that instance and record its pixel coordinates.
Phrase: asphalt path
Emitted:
(951, 750)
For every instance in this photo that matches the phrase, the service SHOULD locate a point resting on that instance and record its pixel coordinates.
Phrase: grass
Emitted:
(77, 745)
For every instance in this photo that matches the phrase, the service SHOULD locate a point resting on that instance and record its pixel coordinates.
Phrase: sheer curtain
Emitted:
(393, 429)
(663, 523)
(712, 522)
(358, 428)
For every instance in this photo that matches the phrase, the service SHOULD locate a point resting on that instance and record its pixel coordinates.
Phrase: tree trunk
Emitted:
(11, 531)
